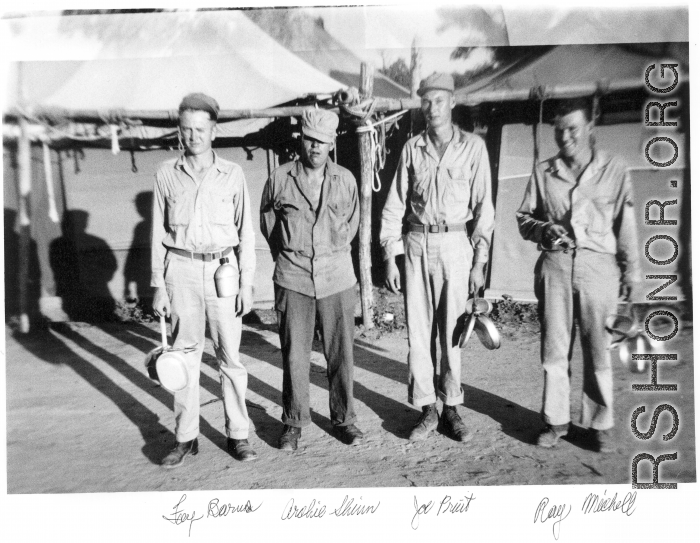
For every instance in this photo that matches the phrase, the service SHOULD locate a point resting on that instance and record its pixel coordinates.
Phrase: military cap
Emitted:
(199, 101)
(319, 124)
(436, 81)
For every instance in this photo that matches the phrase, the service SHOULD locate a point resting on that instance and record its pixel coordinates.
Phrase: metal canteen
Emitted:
(226, 279)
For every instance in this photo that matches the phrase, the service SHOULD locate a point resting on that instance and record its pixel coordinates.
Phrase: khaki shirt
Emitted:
(597, 210)
(311, 243)
(429, 190)
(204, 216)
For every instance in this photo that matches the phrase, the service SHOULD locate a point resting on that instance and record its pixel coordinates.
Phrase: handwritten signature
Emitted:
(215, 509)
(597, 504)
(178, 517)
(448, 505)
(554, 512)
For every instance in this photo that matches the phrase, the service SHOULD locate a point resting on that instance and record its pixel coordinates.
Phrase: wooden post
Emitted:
(24, 182)
(416, 114)
(365, 147)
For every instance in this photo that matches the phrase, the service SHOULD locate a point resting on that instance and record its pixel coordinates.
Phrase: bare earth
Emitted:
(83, 416)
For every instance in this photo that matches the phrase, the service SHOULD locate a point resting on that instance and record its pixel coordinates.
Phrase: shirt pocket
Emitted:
(458, 186)
(601, 215)
(221, 207)
(292, 222)
(177, 209)
(339, 227)
(420, 186)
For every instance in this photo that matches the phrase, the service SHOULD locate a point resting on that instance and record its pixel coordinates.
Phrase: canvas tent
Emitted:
(133, 62)
(621, 131)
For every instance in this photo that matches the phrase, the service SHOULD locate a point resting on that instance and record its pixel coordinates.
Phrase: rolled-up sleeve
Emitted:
(482, 204)
(158, 234)
(530, 223)
(390, 235)
(243, 220)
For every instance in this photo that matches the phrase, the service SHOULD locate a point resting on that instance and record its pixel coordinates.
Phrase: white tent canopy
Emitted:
(148, 61)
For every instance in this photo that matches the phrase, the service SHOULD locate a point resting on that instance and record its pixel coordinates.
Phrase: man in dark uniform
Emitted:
(309, 215)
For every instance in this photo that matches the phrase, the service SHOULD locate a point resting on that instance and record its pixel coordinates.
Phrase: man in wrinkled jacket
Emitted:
(578, 209)
(443, 181)
(309, 214)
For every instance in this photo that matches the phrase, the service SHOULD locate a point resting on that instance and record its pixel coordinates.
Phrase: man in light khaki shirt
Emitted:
(443, 181)
(578, 209)
(201, 214)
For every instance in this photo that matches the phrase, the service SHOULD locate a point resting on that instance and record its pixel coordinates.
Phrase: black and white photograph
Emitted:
(400, 269)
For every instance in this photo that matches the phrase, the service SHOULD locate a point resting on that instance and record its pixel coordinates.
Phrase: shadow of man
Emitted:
(137, 269)
(12, 270)
(83, 265)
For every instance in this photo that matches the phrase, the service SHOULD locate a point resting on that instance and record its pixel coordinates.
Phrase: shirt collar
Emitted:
(458, 136)
(598, 162)
(297, 170)
(219, 163)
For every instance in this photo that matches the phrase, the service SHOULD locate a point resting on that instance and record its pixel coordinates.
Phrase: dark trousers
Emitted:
(296, 315)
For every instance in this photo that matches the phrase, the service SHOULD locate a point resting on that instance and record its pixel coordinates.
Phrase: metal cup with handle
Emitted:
(480, 323)
(168, 365)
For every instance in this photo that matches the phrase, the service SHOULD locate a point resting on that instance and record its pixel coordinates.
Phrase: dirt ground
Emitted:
(79, 399)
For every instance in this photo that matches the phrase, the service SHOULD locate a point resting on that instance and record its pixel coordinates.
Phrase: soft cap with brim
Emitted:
(436, 81)
(319, 124)
(200, 102)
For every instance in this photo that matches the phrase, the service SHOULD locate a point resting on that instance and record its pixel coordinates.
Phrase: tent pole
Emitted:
(25, 188)
(365, 147)
(382, 105)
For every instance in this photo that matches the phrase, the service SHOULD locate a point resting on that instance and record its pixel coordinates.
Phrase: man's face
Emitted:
(437, 106)
(197, 131)
(315, 152)
(572, 132)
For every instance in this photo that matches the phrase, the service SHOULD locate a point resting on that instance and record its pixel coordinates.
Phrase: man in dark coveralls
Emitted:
(309, 215)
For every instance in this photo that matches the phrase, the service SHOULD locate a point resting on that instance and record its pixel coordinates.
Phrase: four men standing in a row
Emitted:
(439, 214)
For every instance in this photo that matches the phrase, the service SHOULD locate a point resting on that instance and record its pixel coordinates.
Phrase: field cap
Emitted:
(319, 124)
(436, 81)
(200, 102)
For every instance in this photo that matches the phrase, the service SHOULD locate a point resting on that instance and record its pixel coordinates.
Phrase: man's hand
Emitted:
(553, 232)
(393, 276)
(476, 278)
(632, 291)
(161, 302)
(244, 300)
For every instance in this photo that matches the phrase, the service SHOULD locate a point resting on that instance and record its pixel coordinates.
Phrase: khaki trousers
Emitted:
(193, 302)
(582, 285)
(437, 288)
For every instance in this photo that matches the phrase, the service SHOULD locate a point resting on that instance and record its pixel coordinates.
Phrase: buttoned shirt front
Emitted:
(202, 215)
(597, 209)
(429, 190)
(310, 242)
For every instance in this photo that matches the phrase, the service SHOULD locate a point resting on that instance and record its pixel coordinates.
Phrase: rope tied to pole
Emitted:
(378, 143)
